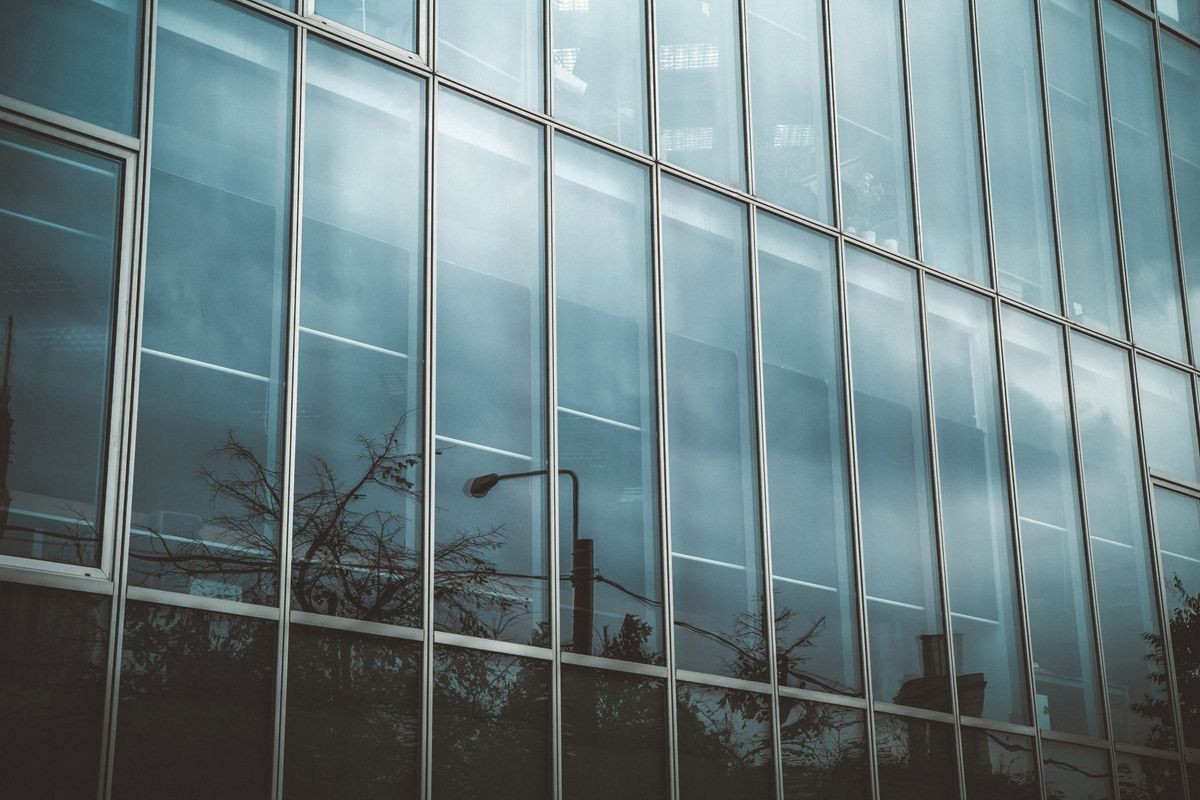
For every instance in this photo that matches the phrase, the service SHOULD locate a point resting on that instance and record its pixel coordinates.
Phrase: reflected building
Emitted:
(600, 398)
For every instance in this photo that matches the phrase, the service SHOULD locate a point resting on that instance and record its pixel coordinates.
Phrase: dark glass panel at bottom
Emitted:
(824, 753)
(53, 650)
(724, 743)
(353, 728)
(491, 726)
(1140, 778)
(1076, 773)
(916, 759)
(195, 713)
(614, 735)
(999, 766)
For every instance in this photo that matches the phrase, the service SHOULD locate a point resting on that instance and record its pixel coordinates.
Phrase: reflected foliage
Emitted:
(724, 743)
(1184, 622)
(1141, 778)
(916, 758)
(824, 755)
(999, 766)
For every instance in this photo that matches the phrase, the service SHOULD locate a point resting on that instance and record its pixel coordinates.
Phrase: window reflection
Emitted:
(1181, 76)
(1142, 778)
(824, 751)
(195, 708)
(393, 21)
(59, 212)
(1076, 772)
(1178, 520)
(916, 758)
(999, 766)
(352, 716)
(1185, 14)
(491, 726)
(1168, 420)
(724, 743)
(206, 496)
(491, 537)
(496, 47)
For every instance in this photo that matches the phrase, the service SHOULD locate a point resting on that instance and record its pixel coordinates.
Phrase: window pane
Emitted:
(1074, 771)
(700, 123)
(356, 540)
(77, 57)
(1184, 14)
(1178, 520)
(949, 180)
(1154, 298)
(999, 766)
(791, 113)
(53, 668)
(906, 630)
(1056, 593)
(614, 735)
(353, 728)
(491, 546)
(1018, 171)
(490, 726)
(824, 752)
(1168, 420)
(606, 422)
(208, 444)
(816, 613)
(1141, 778)
(1085, 203)
(496, 47)
(1125, 591)
(1181, 74)
(195, 708)
(59, 214)
(916, 758)
(872, 134)
(717, 558)
(599, 67)
(393, 21)
(976, 526)
(724, 744)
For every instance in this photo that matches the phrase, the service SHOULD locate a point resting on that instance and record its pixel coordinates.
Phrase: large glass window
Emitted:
(1121, 559)
(700, 124)
(1177, 518)
(1084, 191)
(491, 558)
(1154, 296)
(1184, 14)
(906, 629)
(356, 532)
(1142, 778)
(494, 46)
(717, 551)
(786, 50)
(724, 744)
(916, 758)
(1074, 771)
(599, 68)
(607, 431)
(1056, 586)
(999, 766)
(1168, 420)
(59, 219)
(1018, 167)
(946, 129)
(816, 613)
(871, 127)
(1181, 74)
(206, 513)
(77, 57)
(824, 751)
(988, 657)
(393, 21)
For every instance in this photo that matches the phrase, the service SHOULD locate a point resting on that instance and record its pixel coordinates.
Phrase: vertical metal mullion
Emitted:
(553, 555)
(835, 164)
(291, 360)
(651, 50)
(747, 116)
(1014, 517)
(1160, 594)
(856, 534)
(428, 445)
(914, 184)
(1114, 181)
(547, 59)
(1089, 565)
(764, 517)
(668, 622)
(1064, 303)
(939, 531)
(123, 513)
(985, 173)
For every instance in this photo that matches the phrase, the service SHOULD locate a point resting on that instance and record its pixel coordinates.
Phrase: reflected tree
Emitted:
(1184, 622)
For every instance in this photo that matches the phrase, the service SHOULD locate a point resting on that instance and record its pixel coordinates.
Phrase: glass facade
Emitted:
(600, 398)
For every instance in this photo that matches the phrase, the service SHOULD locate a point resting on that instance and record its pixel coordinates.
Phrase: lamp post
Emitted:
(582, 560)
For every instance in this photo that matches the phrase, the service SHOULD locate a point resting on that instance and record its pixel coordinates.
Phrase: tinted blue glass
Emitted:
(1076, 772)
(1184, 14)
(393, 21)
(1084, 191)
(93, 71)
(1177, 519)
(717, 555)
(1168, 420)
(824, 751)
(916, 758)
(496, 47)
(999, 766)
(1181, 74)
(816, 625)
(1150, 267)
(724, 743)
(208, 440)
(905, 623)
(1141, 778)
